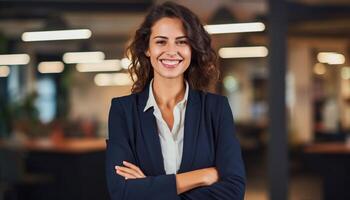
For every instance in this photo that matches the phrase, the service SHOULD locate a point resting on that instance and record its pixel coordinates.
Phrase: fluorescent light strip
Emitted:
(14, 59)
(114, 79)
(243, 52)
(106, 65)
(56, 35)
(83, 57)
(235, 28)
(125, 63)
(4, 71)
(50, 67)
(332, 58)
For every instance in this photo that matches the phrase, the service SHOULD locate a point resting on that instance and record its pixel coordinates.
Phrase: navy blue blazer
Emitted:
(209, 141)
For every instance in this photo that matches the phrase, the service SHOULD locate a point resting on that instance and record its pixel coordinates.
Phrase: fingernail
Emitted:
(116, 167)
(124, 162)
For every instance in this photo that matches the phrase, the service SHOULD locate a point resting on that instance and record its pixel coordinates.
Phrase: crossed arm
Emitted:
(184, 181)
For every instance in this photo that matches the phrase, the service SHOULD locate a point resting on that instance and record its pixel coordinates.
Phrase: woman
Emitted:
(170, 139)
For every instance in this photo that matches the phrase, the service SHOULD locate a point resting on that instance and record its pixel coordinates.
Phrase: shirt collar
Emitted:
(151, 102)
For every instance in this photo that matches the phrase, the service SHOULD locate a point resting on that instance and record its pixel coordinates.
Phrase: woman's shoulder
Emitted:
(212, 99)
(126, 100)
(214, 104)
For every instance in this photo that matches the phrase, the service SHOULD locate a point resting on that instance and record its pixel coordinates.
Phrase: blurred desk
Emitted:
(332, 161)
(73, 146)
(77, 165)
(328, 148)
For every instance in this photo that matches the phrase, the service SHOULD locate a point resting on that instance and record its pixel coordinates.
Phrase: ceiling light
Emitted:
(235, 28)
(114, 79)
(332, 58)
(106, 65)
(83, 57)
(125, 63)
(243, 52)
(14, 59)
(50, 67)
(56, 35)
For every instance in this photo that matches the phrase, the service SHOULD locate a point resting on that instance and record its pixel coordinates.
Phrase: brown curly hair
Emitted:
(202, 71)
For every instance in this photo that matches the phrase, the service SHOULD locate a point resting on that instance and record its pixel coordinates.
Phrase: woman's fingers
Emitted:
(125, 174)
(134, 167)
(129, 170)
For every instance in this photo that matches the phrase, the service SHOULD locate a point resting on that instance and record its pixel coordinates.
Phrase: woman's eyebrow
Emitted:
(181, 37)
(164, 37)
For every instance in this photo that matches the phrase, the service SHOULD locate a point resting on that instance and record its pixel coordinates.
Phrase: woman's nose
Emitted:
(172, 53)
(171, 49)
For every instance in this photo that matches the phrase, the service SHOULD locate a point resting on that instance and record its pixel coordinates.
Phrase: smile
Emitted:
(170, 63)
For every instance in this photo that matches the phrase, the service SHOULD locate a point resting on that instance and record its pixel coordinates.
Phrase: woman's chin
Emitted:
(168, 75)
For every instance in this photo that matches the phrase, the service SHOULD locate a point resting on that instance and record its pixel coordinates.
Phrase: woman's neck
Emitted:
(168, 92)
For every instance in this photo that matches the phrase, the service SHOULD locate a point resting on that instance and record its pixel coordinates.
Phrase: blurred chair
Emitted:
(15, 182)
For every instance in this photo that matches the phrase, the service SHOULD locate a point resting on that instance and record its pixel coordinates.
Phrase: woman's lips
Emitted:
(170, 63)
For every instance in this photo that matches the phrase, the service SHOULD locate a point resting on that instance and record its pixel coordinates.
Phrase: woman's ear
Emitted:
(147, 53)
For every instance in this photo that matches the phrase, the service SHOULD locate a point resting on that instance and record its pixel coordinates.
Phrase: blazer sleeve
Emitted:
(229, 163)
(119, 149)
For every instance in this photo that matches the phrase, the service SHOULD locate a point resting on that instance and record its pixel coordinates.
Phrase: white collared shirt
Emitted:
(171, 141)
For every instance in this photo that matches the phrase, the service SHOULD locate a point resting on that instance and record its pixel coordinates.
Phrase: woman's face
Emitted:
(169, 48)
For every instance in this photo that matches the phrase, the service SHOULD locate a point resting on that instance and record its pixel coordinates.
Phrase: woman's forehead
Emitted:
(168, 27)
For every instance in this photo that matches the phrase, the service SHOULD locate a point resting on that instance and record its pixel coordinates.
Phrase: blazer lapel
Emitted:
(149, 133)
(192, 119)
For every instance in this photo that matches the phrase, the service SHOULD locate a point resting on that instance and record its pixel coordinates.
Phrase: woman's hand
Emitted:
(129, 171)
(201, 177)
(211, 175)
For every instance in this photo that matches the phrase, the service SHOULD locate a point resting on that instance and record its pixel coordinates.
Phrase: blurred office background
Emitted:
(55, 94)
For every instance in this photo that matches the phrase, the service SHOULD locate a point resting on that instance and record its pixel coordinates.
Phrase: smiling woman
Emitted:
(171, 139)
(169, 50)
(171, 24)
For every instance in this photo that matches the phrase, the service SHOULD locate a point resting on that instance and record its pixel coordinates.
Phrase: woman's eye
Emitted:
(182, 42)
(160, 42)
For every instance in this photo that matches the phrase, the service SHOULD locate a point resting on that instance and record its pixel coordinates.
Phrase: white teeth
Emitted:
(170, 62)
